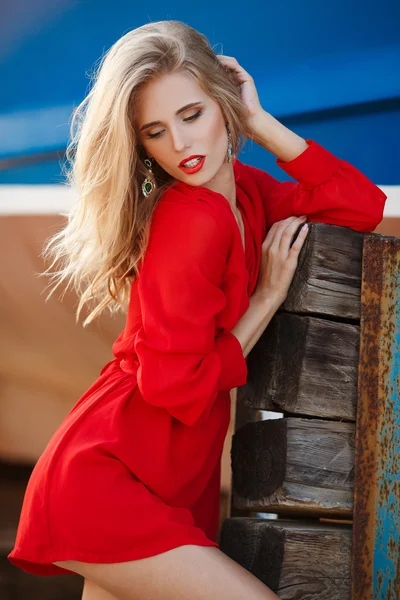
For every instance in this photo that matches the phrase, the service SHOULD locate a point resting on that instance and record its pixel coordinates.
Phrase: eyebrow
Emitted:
(178, 112)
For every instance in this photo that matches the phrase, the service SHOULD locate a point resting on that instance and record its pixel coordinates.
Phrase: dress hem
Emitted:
(45, 567)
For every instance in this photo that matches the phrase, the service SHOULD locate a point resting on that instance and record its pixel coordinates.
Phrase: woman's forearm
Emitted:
(277, 139)
(249, 328)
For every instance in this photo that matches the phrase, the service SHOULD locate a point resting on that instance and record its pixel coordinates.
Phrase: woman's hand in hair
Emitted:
(248, 91)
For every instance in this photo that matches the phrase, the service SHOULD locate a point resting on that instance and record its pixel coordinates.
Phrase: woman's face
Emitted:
(171, 131)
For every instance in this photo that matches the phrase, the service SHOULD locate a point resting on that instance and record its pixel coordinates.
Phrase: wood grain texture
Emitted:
(296, 559)
(294, 466)
(304, 365)
(328, 278)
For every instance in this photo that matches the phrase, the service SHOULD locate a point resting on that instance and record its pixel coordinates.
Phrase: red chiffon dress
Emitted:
(134, 468)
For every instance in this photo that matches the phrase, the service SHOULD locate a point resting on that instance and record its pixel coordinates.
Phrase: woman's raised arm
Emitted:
(329, 190)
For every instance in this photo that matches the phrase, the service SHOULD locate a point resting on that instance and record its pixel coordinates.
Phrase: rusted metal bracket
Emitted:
(376, 524)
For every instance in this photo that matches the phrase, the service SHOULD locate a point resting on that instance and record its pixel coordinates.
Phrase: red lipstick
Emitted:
(195, 168)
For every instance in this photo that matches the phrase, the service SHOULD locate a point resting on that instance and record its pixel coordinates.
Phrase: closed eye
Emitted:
(154, 135)
(191, 118)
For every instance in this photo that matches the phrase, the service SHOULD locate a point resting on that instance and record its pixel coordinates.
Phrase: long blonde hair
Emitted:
(107, 230)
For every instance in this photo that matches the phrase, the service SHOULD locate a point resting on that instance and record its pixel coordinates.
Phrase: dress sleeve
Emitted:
(182, 363)
(329, 190)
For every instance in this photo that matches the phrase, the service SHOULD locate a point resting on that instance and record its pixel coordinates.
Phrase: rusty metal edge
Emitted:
(375, 551)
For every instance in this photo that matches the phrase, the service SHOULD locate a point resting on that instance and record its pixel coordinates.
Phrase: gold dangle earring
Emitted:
(148, 185)
(229, 154)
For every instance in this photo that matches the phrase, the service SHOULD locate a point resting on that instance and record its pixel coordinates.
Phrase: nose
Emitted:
(179, 140)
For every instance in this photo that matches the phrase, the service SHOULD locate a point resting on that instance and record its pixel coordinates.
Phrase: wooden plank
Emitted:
(304, 365)
(328, 278)
(296, 559)
(294, 466)
(376, 552)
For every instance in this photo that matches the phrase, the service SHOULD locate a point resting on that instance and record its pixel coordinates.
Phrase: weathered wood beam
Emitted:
(304, 365)
(296, 559)
(328, 278)
(294, 466)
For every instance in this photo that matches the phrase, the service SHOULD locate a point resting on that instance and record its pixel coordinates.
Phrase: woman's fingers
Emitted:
(288, 234)
(273, 230)
(231, 63)
(279, 258)
(284, 233)
(298, 244)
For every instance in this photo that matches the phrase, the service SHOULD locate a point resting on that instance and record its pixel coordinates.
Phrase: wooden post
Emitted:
(301, 467)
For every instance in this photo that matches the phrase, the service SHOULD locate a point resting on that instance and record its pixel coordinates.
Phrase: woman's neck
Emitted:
(224, 183)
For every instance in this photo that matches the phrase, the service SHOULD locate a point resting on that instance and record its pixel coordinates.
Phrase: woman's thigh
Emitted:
(184, 573)
(91, 591)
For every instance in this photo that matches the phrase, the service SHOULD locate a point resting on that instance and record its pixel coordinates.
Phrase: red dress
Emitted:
(134, 468)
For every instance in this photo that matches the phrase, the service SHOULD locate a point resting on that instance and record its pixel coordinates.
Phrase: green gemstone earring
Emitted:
(229, 153)
(148, 185)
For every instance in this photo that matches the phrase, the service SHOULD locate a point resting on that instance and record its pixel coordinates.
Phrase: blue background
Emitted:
(329, 71)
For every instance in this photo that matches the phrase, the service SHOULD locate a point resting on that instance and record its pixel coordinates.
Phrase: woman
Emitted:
(127, 491)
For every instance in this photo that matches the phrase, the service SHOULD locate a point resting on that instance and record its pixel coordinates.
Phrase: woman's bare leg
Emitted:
(184, 573)
(91, 591)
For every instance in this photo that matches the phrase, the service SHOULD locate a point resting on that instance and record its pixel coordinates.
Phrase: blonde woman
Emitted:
(199, 250)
